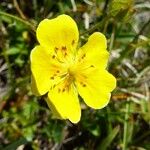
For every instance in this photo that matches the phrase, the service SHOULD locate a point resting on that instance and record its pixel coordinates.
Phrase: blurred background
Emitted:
(26, 123)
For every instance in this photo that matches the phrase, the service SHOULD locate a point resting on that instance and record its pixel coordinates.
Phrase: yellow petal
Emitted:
(58, 34)
(66, 103)
(94, 51)
(45, 70)
(95, 88)
(55, 113)
(40, 71)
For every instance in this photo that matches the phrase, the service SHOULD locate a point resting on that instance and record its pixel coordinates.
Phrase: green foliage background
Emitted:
(26, 121)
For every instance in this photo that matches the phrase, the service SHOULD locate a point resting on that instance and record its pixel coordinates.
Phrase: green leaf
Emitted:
(121, 9)
(13, 51)
(28, 132)
(16, 144)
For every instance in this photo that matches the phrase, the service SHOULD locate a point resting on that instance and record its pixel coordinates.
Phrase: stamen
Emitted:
(89, 67)
(64, 48)
(84, 55)
(73, 42)
(92, 66)
(52, 78)
(65, 54)
(57, 71)
(59, 90)
(84, 85)
(63, 90)
(81, 83)
(53, 57)
(56, 48)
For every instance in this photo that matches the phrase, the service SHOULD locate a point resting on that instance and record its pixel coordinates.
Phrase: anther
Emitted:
(73, 42)
(92, 66)
(63, 90)
(64, 48)
(84, 85)
(65, 54)
(83, 56)
(81, 83)
(59, 90)
(53, 57)
(52, 78)
(56, 48)
(57, 71)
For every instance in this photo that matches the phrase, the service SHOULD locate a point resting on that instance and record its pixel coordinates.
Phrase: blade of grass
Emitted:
(125, 133)
(16, 5)
(112, 38)
(129, 48)
(108, 140)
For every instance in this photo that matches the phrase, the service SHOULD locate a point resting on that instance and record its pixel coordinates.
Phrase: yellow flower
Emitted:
(63, 71)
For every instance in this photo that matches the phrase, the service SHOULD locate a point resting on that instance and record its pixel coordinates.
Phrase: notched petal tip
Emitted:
(57, 31)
